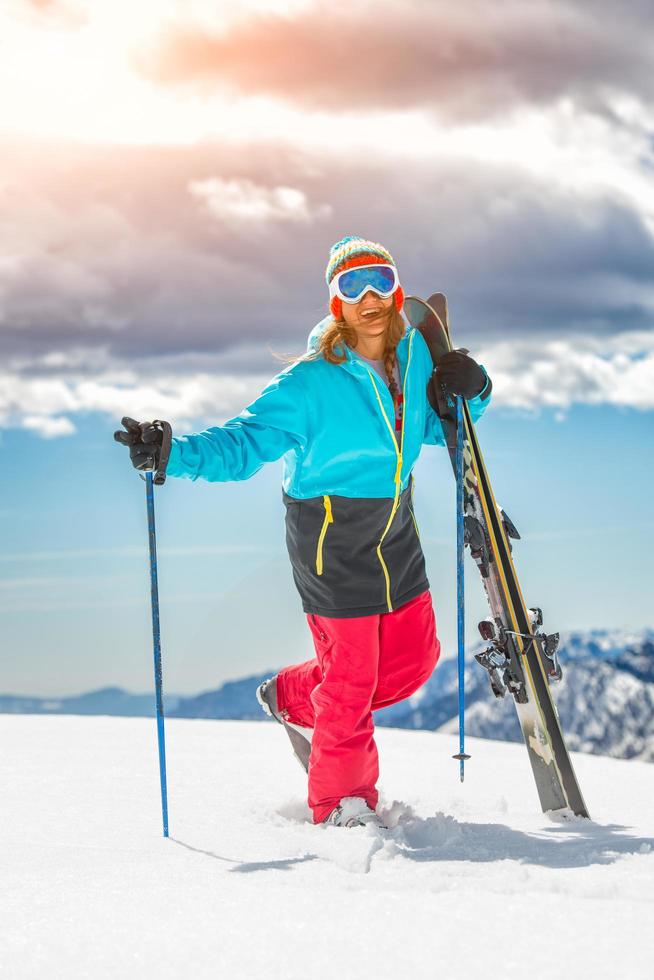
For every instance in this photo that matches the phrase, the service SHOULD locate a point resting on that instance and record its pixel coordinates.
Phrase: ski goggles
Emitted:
(351, 284)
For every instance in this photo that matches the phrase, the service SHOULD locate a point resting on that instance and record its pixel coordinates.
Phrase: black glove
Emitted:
(149, 445)
(457, 374)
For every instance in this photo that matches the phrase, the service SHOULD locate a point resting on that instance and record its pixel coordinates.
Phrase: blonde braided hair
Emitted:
(390, 357)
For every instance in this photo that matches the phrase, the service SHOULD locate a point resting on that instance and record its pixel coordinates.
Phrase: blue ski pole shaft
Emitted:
(460, 584)
(156, 638)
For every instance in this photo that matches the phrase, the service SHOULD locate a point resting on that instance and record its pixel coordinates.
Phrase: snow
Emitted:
(470, 880)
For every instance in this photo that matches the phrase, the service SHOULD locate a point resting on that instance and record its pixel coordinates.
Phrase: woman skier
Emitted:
(350, 418)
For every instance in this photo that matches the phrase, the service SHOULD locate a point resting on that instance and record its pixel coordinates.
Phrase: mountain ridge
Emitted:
(605, 700)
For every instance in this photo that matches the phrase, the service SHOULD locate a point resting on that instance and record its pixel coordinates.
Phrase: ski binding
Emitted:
(497, 658)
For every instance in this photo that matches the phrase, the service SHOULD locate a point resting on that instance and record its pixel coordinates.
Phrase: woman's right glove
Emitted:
(460, 374)
(457, 374)
(149, 445)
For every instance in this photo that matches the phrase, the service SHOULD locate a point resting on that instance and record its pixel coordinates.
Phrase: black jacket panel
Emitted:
(336, 564)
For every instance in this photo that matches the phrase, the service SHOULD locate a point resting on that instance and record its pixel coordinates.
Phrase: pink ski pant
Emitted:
(361, 664)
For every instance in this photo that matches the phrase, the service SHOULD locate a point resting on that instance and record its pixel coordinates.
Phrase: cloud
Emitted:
(541, 373)
(49, 427)
(155, 281)
(244, 201)
(142, 250)
(130, 253)
(457, 60)
(48, 406)
(531, 374)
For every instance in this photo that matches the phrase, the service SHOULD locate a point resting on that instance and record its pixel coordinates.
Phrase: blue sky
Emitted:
(74, 581)
(169, 198)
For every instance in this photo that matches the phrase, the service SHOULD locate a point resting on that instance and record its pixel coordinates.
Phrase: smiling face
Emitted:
(369, 318)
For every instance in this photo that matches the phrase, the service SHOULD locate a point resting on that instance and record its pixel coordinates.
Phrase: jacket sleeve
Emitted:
(480, 402)
(434, 435)
(273, 424)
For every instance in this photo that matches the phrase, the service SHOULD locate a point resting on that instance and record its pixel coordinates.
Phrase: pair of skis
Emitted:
(520, 659)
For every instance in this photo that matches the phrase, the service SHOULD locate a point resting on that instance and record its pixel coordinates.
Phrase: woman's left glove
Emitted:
(459, 374)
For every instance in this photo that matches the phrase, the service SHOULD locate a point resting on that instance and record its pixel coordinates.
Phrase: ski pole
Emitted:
(460, 585)
(156, 638)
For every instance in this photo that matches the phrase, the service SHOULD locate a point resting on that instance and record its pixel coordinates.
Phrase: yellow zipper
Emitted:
(398, 469)
(329, 519)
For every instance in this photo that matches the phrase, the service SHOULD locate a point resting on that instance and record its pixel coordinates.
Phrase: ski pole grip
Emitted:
(159, 477)
(446, 410)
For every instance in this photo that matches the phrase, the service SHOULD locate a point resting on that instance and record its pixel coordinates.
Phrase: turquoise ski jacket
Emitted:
(351, 531)
(332, 424)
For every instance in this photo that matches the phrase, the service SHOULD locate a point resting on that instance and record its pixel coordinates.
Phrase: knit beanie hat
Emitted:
(350, 252)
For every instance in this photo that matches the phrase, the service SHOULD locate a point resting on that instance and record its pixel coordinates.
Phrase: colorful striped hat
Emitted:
(350, 252)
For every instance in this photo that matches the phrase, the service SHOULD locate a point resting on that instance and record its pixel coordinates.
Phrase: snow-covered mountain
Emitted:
(234, 700)
(605, 700)
(105, 701)
(604, 706)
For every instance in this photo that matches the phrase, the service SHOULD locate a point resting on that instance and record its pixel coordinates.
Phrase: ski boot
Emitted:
(352, 811)
(300, 737)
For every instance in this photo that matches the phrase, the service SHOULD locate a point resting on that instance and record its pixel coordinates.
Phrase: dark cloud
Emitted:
(109, 246)
(459, 60)
(108, 250)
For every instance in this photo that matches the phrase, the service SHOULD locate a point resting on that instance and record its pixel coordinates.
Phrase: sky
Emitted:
(173, 175)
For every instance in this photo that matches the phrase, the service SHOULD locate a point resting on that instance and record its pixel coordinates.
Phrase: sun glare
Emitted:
(76, 78)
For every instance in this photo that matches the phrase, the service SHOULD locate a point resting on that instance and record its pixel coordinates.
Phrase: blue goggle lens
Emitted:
(353, 282)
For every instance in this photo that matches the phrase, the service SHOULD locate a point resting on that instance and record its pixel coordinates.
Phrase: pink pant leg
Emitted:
(362, 663)
(408, 650)
(343, 752)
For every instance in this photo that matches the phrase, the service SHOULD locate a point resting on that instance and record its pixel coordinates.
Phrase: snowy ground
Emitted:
(470, 882)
